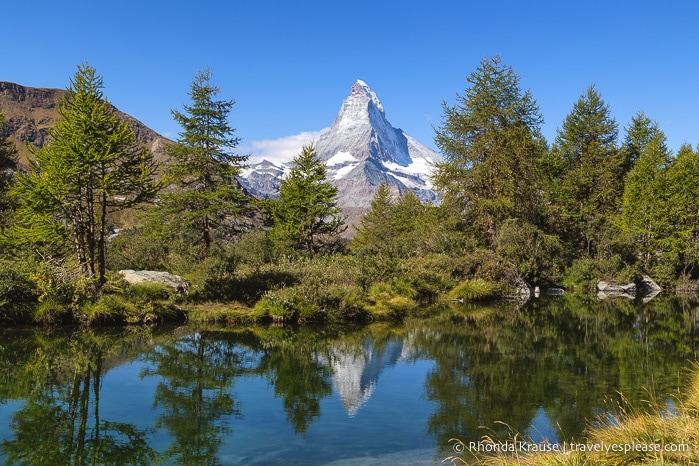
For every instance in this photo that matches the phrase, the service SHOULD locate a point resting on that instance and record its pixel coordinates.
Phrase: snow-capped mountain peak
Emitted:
(362, 150)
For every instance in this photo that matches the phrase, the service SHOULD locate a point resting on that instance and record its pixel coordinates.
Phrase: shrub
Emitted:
(17, 291)
(474, 289)
(286, 304)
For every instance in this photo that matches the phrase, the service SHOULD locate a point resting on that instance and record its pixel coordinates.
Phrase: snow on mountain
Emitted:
(362, 150)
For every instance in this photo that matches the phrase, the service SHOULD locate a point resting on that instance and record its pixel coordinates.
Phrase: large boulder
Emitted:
(612, 289)
(149, 276)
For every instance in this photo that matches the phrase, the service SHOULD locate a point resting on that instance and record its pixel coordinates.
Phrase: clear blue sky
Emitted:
(289, 64)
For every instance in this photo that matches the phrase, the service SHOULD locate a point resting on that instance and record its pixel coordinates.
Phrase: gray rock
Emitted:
(149, 276)
(609, 289)
(647, 286)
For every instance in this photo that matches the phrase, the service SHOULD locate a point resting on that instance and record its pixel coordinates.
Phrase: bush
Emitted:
(132, 249)
(286, 304)
(475, 289)
(17, 291)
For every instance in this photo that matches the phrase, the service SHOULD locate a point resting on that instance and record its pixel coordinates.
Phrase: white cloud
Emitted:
(283, 149)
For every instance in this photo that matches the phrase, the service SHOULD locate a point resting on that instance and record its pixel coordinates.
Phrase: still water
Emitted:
(375, 394)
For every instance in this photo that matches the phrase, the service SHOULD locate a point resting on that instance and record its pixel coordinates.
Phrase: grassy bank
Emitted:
(655, 435)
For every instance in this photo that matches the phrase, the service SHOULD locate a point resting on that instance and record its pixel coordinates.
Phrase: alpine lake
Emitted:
(382, 393)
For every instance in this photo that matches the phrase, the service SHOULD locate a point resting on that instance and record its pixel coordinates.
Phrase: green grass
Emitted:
(473, 290)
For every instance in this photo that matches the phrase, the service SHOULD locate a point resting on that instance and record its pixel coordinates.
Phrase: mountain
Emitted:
(362, 150)
(30, 113)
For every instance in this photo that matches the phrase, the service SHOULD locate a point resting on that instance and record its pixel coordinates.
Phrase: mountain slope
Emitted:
(362, 150)
(30, 113)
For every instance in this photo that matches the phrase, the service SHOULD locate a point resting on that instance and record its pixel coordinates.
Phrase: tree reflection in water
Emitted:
(558, 362)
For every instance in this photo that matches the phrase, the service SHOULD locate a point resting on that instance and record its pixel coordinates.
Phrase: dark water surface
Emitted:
(376, 394)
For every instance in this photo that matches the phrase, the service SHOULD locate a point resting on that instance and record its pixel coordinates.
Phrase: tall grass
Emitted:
(653, 436)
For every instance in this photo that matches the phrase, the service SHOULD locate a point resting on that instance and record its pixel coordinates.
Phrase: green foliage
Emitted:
(531, 253)
(679, 215)
(60, 286)
(91, 167)
(204, 201)
(643, 201)
(475, 289)
(17, 291)
(287, 304)
(585, 169)
(492, 147)
(254, 248)
(306, 216)
(391, 300)
(133, 249)
(641, 131)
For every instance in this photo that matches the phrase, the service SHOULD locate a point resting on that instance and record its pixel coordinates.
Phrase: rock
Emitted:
(647, 286)
(629, 288)
(554, 291)
(524, 289)
(142, 276)
(602, 295)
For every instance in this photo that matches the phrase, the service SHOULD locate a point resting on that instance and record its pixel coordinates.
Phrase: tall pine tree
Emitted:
(92, 166)
(306, 216)
(205, 198)
(678, 228)
(492, 147)
(643, 201)
(586, 172)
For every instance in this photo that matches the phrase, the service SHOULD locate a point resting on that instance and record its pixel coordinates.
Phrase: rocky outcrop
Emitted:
(608, 288)
(646, 289)
(30, 113)
(149, 276)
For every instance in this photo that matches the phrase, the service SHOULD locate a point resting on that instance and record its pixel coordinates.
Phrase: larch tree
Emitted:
(678, 225)
(204, 195)
(586, 172)
(93, 165)
(306, 216)
(639, 134)
(642, 200)
(492, 147)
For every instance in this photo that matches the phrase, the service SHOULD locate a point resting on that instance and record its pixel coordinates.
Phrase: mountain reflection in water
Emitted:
(282, 395)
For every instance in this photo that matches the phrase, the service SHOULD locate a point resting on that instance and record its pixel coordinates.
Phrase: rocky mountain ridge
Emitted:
(30, 113)
(362, 150)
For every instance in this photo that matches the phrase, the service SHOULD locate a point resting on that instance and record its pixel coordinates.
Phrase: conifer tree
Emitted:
(643, 201)
(492, 147)
(92, 166)
(639, 134)
(203, 167)
(376, 230)
(586, 172)
(678, 225)
(306, 215)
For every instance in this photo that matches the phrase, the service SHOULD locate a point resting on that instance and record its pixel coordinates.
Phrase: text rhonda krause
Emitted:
(495, 447)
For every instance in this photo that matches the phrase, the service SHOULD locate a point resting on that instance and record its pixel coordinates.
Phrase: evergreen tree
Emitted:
(639, 134)
(306, 216)
(643, 201)
(203, 168)
(585, 169)
(492, 149)
(678, 228)
(92, 166)
(377, 230)
(8, 164)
